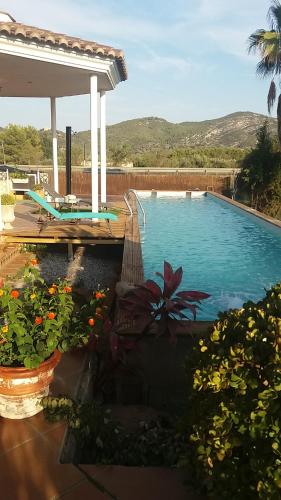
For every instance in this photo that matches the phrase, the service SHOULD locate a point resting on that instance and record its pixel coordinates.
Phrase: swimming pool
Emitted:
(224, 251)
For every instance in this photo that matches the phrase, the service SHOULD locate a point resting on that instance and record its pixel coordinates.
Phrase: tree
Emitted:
(260, 170)
(268, 44)
(119, 154)
(46, 140)
(22, 145)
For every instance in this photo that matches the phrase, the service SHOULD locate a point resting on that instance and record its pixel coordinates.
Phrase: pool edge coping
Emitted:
(252, 211)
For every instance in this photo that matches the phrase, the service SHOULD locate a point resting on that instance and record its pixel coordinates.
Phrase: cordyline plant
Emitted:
(148, 303)
(36, 320)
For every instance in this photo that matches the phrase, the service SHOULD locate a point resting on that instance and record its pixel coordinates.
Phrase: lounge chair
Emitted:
(69, 215)
(60, 200)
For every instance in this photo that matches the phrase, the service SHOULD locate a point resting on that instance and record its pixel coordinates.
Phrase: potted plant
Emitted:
(37, 323)
(19, 177)
(39, 189)
(8, 212)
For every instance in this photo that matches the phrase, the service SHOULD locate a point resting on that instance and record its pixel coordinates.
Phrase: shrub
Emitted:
(7, 199)
(235, 403)
(37, 187)
(18, 174)
(36, 320)
(102, 440)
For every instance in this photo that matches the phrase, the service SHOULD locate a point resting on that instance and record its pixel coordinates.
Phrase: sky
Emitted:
(187, 59)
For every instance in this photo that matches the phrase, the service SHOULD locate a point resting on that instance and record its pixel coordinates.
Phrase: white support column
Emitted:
(94, 142)
(103, 145)
(55, 143)
(1, 220)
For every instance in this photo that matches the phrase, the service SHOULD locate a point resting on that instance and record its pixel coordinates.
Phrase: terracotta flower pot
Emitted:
(21, 389)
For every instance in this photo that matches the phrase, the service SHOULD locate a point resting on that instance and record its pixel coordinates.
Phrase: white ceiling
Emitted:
(23, 77)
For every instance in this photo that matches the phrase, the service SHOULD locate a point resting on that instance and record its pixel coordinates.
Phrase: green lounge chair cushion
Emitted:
(70, 215)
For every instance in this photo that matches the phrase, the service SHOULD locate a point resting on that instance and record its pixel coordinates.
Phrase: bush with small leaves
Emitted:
(234, 418)
(102, 440)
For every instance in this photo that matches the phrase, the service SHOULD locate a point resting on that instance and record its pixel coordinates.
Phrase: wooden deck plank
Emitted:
(132, 266)
(26, 228)
(75, 241)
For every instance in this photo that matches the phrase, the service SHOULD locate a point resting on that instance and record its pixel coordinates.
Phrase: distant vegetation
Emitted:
(146, 142)
(260, 177)
(192, 157)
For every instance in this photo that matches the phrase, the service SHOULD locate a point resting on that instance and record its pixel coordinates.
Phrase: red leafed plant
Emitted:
(148, 303)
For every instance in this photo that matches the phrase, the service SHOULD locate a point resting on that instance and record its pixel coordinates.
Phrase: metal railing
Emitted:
(139, 203)
(128, 205)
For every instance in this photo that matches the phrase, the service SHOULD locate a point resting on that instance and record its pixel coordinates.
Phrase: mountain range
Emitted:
(143, 134)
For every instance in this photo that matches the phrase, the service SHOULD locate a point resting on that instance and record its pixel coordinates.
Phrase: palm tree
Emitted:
(268, 45)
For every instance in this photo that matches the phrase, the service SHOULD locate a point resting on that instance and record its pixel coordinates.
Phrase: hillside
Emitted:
(143, 134)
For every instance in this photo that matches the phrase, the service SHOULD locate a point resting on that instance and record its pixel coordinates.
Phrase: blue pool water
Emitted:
(224, 251)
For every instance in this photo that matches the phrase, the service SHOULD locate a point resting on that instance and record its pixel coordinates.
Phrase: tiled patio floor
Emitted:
(30, 468)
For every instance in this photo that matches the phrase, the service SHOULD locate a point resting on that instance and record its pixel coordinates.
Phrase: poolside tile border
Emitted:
(252, 211)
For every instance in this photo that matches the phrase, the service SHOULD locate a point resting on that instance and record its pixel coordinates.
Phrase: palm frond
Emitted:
(265, 67)
(271, 96)
(255, 41)
(278, 64)
(274, 15)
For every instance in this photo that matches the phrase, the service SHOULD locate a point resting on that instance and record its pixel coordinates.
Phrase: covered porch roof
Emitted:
(37, 62)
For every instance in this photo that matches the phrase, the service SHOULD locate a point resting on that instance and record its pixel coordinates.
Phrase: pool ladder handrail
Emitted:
(139, 203)
(128, 205)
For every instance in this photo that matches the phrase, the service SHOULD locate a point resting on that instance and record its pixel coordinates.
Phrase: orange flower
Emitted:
(51, 315)
(34, 262)
(67, 289)
(15, 294)
(99, 295)
(38, 320)
(52, 290)
(91, 321)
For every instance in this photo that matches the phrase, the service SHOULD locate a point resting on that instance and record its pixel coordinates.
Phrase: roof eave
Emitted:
(17, 32)
(93, 64)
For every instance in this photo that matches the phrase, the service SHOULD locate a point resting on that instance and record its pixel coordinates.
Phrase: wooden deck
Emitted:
(132, 267)
(27, 230)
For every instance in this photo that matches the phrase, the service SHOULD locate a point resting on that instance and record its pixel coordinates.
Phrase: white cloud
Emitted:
(84, 19)
(232, 41)
(227, 24)
(153, 62)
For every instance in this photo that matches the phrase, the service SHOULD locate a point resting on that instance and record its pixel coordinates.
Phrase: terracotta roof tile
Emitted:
(46, 37)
